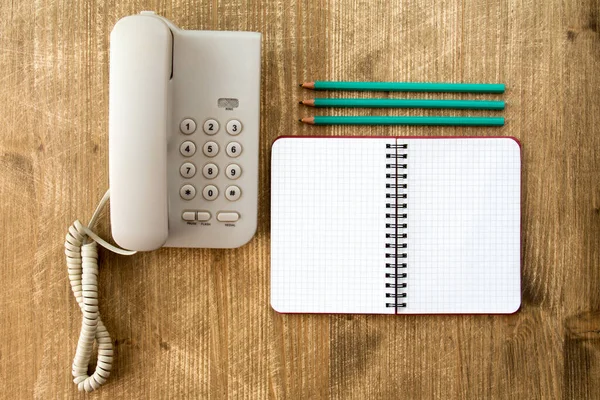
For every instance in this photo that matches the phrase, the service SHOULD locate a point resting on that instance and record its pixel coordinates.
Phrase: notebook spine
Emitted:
(396, 234)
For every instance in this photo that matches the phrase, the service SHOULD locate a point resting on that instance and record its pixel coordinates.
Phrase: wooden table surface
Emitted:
(197, 323)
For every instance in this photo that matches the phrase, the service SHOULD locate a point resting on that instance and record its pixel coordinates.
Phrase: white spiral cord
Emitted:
(82, 262)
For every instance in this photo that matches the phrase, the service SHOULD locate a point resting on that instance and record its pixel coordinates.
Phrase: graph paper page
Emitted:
(463, 226)
(328, 225)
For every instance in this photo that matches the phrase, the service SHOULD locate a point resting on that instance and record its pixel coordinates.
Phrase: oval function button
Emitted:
(234, 127)
(189, 216)
(187, 126)
(228, 216)
(203, 215)
(211, 126)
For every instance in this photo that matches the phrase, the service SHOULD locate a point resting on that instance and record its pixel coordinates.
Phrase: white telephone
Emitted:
(183, 135)
(184, 114)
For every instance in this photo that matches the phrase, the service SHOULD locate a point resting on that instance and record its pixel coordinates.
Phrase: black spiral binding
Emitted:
(396, 246)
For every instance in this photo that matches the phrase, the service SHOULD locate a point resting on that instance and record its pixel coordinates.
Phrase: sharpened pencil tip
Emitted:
(299, 120)
(300, 85)
(300, 102)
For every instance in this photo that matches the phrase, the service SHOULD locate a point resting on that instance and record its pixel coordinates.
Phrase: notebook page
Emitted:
(328, 225)
(463, 226)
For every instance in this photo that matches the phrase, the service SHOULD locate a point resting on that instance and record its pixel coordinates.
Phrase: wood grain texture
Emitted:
(197, 323)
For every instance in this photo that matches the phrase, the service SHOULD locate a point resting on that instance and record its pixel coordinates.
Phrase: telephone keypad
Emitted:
(187, 148)
(210, 170)
(210, 149)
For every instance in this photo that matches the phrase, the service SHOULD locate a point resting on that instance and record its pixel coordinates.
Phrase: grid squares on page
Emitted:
(328, 225)
(463, 226)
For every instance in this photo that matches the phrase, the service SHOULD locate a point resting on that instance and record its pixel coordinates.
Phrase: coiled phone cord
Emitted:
(82, 262)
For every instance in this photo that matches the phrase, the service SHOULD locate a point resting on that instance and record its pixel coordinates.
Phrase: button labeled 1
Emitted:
(187, 126)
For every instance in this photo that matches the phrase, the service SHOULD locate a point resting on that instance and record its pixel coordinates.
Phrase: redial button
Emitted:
(228, 216)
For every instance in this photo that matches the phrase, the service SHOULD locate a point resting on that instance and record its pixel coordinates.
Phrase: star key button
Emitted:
(187, 192)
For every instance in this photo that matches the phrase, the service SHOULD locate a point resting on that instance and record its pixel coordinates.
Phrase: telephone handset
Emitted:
(184, 114)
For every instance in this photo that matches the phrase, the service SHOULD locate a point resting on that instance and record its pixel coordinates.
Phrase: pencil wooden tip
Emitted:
(300, 85)
(308, 120)
(299, 120)
(300, 102)
(308, 85)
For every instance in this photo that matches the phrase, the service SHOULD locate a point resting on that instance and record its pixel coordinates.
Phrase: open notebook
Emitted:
(395, 225)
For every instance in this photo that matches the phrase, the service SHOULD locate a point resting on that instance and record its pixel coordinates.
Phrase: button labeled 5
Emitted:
(210, 149)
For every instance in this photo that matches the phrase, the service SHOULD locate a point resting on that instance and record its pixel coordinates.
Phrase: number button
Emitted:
(233, 171)
(233, 193)
(233, 149)
(187, 192)
(211, 126)
(210, 149)
(210, 192)
(187, 170)
(187, 148)
(234, 127)
(210, 171)
(187, 126)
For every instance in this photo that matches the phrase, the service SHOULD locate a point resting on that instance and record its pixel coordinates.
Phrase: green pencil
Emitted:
(370, 120)
(407, 86)
(406, 103)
